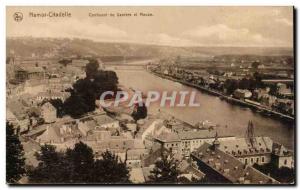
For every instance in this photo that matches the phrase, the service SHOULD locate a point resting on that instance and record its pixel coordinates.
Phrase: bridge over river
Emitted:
(131, 65)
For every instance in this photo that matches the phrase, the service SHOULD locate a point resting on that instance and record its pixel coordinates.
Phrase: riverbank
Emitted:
(260, 109)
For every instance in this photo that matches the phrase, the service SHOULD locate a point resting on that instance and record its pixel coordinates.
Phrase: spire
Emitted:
(216, 135)
(216, 142)
(250, 133)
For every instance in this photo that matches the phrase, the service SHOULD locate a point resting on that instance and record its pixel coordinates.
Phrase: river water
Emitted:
(211, 108)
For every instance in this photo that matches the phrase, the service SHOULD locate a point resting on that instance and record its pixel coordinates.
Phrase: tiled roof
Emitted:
(242, 146)
(147, 172)
(35, 69)
(103, 119)
(230, 167)
(183, 165)
(30, 69)
(53, 94)
(18, 108)
(10, 115)
(133, 154)
(145, 124)
(113, 143)
(86, 126)
(280, 150)
(97, 135)
(168, 137)
(136, 175)
(52, 134)
(188, 135)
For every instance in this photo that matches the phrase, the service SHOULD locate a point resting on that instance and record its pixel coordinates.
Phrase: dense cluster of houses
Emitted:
(281, 99)
(199, 152)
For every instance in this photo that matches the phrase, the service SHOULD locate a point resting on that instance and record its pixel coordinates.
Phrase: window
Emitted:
(251, 160)
(246, 161)
(285, 162)
(257, 160)
(263, 159)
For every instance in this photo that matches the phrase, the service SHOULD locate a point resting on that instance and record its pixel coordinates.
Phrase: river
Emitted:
(211, 108)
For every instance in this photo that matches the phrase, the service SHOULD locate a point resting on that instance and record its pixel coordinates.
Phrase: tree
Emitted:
(231, 85)
(258, 80)
(105, 81)
(165, 171)
(82, 99)
(110, 169)
(81, 159)
(255, 64)
(73, 166)
(15, 161)
(51, 168)
(91, 68)
(85, 91)
(244, 83)
(273, 89)
(283, 174)
(77, 165)
(140, 112)
(58, 104)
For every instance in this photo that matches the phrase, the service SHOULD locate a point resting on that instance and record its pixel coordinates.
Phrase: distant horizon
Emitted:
(150, 44)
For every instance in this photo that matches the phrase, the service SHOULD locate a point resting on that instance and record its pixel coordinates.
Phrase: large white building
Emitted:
(259, 150)
(184, 142)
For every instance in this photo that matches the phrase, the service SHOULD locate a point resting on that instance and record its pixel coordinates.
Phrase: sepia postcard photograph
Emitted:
(150, 95)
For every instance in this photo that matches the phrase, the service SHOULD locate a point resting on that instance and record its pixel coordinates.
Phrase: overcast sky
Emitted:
(176, 26)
